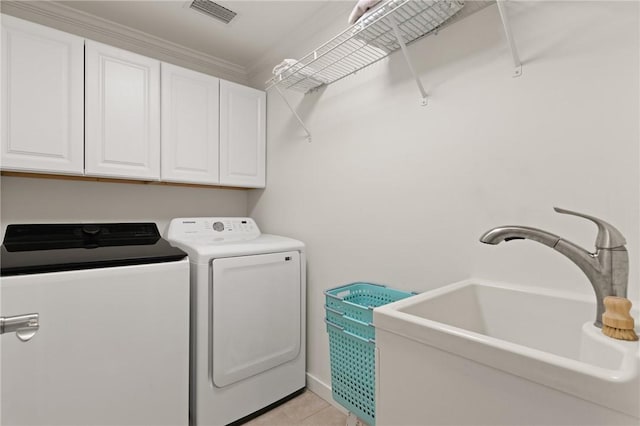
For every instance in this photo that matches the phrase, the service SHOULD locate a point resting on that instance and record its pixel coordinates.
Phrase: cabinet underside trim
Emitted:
(113, 180)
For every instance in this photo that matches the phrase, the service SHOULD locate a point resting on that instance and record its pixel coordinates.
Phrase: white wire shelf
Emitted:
(390, 26)
(366, 42)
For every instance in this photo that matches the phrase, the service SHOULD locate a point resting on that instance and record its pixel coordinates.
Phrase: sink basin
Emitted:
(540, 335)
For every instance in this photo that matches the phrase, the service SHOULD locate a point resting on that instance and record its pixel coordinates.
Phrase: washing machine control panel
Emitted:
(215, 229)
(236, 226)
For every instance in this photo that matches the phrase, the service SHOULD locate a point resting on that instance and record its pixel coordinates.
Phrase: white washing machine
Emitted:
(100, 313)
(247, 317)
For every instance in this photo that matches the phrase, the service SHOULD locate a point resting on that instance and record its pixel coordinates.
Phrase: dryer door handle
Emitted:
(25, 326)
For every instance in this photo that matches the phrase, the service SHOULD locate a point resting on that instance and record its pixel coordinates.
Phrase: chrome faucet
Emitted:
(607, 268)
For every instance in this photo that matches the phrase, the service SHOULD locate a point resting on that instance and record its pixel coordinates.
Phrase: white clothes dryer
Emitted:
(247, 317)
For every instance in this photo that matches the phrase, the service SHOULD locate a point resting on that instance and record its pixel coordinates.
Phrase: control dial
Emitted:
(218, 226)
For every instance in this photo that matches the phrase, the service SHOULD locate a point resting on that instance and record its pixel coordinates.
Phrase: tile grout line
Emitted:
(319, 411)
(326, 404)
(291, 420)
(315, 412)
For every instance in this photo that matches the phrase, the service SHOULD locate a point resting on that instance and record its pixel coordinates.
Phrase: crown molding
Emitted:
(93, 27)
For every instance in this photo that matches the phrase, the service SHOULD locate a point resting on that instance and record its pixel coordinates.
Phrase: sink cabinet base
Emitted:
(418, 384)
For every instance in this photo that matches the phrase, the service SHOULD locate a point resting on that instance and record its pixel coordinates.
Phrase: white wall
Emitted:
(29, 200)
(395, 193)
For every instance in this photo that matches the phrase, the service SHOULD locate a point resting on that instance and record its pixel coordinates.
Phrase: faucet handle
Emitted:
(608, 236)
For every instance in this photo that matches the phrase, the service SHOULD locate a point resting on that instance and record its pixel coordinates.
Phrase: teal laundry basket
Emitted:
(357, 300)
(350, 325)
(349, 319)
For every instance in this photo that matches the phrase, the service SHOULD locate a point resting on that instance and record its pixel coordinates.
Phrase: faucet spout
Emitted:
(507, 233)
(607, 269)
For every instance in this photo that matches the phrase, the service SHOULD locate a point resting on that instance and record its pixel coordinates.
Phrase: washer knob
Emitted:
(218, 226)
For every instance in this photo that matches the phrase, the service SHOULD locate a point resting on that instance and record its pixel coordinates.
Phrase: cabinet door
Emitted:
(242, 136)
(190, 117)
(122, 113)
(42, 99)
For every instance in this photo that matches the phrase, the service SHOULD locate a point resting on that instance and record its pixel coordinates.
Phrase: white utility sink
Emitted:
(543, 336)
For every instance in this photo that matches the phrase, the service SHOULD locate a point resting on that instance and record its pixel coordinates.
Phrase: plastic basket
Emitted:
(351, 325)
(357, 300)
(353, 372)
(349, 311)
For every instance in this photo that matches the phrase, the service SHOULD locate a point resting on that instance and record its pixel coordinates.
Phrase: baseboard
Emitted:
(323, 390)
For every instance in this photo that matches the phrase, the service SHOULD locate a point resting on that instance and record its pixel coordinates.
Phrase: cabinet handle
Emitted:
(25, 326)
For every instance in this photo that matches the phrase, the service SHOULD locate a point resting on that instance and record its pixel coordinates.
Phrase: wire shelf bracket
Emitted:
(295, 114)
(407, 58)
(507, 31)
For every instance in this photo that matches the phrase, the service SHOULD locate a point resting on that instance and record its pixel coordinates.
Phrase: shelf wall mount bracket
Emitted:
(295, 114)
(407, 57)
(512, 45)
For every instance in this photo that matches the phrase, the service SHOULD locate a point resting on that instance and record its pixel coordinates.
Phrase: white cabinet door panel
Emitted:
(122, 113)
(242, 135)
(190, 118)
(42, 99)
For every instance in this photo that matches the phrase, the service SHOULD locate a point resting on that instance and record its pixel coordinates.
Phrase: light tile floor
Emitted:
(305, 409)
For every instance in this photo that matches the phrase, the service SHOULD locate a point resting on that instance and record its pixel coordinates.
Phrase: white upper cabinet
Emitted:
(74, 107)
(190, 117)
(42, 99)
(122, 113)
(242, 135)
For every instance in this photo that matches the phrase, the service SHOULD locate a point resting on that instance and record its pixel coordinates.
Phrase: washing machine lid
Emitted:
(207, 238)
(40, 248)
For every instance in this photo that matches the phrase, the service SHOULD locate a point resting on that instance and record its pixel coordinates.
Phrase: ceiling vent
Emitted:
(213, 9)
